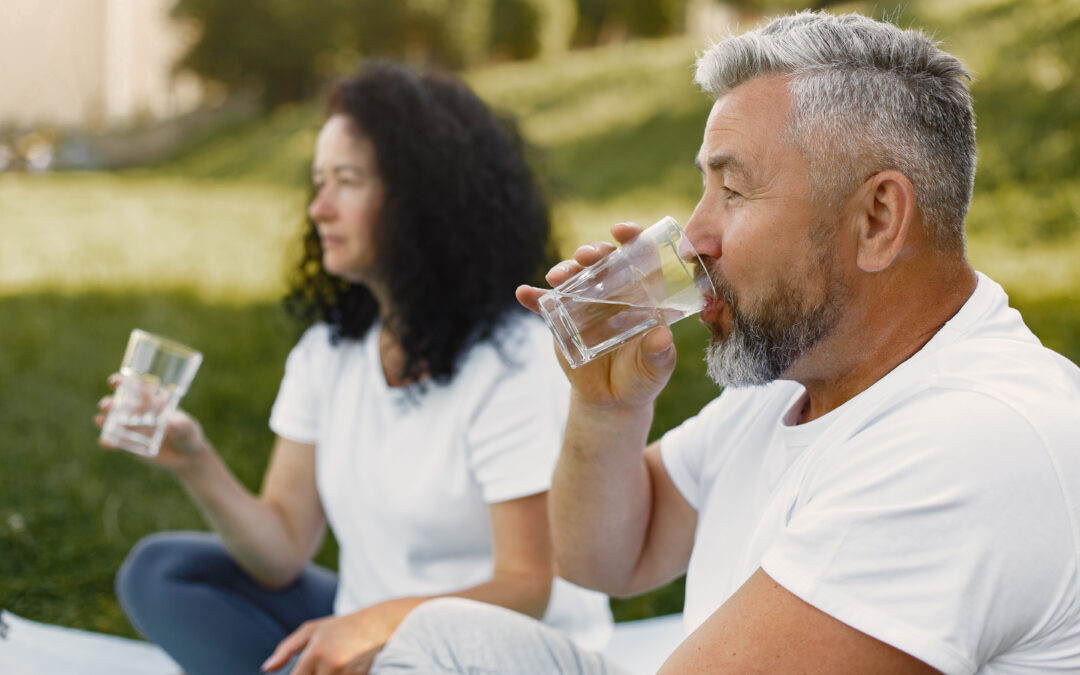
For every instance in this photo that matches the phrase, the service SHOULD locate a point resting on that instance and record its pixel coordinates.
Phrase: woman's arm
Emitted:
(272, 536)
(521, 580)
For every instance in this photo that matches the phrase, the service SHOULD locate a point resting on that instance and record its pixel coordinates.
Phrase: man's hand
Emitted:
(336, 644)
(630, 376)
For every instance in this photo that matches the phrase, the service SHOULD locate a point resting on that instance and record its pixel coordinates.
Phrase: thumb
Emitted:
(658, 352)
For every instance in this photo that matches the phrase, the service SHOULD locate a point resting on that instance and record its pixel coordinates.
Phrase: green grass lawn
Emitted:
(197, 249)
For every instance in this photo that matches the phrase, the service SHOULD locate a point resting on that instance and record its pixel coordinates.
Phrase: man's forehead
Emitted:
(752, 114)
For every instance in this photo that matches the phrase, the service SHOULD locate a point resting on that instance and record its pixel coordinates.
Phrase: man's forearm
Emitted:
(601, 495)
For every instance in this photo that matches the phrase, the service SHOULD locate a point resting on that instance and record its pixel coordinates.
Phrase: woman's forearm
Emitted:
(256, 533)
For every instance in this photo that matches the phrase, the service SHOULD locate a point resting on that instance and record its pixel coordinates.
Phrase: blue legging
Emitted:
(183, 592)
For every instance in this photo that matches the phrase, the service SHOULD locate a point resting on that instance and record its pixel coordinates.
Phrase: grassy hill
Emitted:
(197, 249)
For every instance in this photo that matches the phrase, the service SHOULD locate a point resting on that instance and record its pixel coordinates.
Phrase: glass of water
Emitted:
(155, 374)
(646, 282)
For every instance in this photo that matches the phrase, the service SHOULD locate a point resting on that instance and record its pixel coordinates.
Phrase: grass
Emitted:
(197, 249)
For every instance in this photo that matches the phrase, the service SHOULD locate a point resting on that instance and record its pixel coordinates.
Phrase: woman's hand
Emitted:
(184, 440)
(340, 644)
(632, 375)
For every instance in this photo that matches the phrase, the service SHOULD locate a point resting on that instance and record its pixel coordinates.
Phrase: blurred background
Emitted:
(153, 164)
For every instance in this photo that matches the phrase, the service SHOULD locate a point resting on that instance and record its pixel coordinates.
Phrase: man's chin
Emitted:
(733, 365)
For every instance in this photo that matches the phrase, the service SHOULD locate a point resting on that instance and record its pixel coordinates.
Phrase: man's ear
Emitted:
(885, 216)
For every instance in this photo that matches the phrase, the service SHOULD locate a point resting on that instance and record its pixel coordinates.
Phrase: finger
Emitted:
(293, 643)
(529, 297)
(305, 664)
(588, 254)
(624, 232)
(105, 403)
(658, 352)
(561, 272)
(114, 380)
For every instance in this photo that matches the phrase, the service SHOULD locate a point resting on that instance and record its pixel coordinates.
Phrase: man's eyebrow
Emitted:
(724, 162)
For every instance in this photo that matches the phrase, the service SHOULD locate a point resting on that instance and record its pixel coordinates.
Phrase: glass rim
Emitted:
(700, 263)
(180, 349)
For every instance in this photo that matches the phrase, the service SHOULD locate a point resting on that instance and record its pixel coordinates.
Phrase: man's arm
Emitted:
(618, 523)
(763, 628)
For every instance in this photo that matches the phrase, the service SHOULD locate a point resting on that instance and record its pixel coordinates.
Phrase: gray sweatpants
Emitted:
(453, 635)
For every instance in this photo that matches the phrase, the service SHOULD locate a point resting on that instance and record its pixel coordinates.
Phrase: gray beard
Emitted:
(763, 345)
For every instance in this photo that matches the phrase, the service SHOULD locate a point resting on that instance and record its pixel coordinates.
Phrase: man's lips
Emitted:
(714, 311)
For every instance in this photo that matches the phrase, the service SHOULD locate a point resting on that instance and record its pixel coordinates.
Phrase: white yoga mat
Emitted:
(31, 648)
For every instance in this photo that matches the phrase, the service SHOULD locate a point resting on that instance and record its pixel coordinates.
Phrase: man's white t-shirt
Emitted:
(938, 511)
(406, 478)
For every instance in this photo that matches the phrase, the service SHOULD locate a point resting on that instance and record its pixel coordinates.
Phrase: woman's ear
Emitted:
(885, 214)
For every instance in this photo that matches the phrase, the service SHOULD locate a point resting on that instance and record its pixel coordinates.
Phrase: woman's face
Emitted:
(348, 198)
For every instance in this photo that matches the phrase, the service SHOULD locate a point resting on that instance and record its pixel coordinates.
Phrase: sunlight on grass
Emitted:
(84, 232)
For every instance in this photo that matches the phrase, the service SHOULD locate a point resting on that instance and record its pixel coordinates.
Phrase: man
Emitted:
(890, 481)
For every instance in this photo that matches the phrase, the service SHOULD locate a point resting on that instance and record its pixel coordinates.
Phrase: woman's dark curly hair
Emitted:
(463, 221)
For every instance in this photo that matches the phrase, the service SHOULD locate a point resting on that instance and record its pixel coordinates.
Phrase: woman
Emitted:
(419, 416)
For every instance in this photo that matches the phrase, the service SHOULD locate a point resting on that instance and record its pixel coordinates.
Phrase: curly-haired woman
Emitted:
(419, 415)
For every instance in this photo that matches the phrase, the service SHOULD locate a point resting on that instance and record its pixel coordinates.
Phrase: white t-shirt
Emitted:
(937, 511)
(406, 479)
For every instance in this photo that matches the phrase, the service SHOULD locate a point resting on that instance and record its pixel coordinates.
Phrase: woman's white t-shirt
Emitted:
(406, 477)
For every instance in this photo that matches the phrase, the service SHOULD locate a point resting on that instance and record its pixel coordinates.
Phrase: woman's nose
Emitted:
(321, 207)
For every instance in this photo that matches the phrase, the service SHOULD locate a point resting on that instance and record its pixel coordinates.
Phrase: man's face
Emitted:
(770, 248)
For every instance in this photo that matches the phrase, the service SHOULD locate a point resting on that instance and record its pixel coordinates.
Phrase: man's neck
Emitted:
(899, 317)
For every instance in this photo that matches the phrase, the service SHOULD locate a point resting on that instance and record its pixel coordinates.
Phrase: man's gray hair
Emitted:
(866, 97)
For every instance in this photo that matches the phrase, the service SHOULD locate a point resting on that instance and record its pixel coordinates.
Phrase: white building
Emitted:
(91, 64)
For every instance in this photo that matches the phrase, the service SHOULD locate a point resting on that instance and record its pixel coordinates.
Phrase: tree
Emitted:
(279, 47)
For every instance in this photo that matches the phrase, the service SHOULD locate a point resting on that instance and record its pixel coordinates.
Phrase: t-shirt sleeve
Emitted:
(681, 450)
(515, 434)
(295, 413)
(922, 535)
(696, 450)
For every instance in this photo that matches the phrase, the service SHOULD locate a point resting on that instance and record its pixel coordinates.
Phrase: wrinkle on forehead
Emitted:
(746, 133)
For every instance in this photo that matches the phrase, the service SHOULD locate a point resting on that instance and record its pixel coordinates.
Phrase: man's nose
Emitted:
(699, 236)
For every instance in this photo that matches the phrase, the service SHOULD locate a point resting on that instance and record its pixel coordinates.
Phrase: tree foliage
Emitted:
(276, 46)
(285, 48)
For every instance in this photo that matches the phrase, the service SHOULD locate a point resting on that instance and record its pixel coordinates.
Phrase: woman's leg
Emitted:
(183, 592)
(454, 635)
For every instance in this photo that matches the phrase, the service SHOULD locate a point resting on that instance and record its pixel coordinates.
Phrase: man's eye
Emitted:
(729, 193)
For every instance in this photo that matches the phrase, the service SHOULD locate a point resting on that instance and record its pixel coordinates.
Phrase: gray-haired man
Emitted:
(890, 481)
